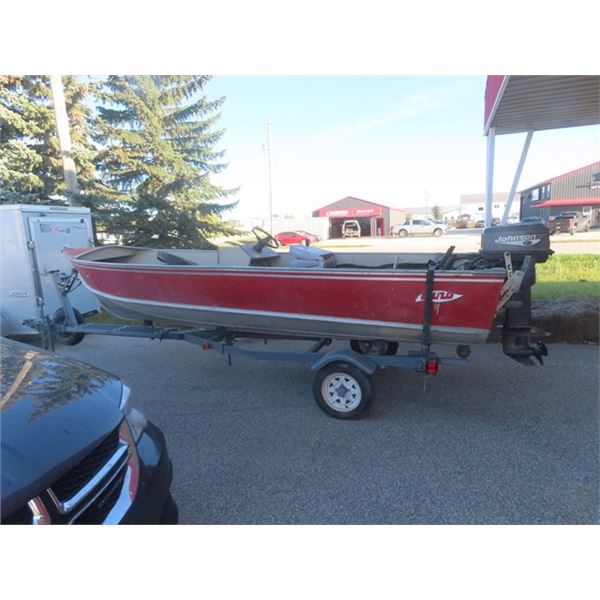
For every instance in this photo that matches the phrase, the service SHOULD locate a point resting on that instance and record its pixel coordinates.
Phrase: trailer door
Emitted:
(50, 235)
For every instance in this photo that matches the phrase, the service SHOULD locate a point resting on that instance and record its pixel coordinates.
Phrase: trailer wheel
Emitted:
(377, 347)
(68, 339)
(342, 390)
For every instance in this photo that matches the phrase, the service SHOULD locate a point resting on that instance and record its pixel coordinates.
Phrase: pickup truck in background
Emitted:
(549, 223)
(419, 227)
(572, 221)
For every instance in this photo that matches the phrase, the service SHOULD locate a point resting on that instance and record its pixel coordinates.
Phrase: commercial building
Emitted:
(374, 219)
(473, 205)
(530, 103)
(577, 190)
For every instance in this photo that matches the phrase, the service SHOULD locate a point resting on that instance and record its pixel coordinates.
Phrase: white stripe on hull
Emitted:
(284, 323)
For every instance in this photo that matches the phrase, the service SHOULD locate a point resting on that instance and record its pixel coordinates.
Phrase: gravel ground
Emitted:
(492, 442)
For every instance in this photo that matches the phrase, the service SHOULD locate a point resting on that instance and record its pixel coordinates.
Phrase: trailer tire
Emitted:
(376, 347)
(342, 390)
(68, 339)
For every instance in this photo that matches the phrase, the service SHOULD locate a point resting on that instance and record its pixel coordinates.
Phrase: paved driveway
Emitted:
(493, 442)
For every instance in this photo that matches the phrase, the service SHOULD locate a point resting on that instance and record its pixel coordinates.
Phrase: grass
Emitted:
(568, 275)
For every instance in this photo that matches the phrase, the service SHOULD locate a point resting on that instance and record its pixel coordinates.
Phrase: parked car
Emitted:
(572, 221)
(296, 237)
(481, 222)
(75, 450)
(351, 229)
(419, 227)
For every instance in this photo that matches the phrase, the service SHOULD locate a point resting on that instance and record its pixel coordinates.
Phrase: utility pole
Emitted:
(270, 186)
(64, 137)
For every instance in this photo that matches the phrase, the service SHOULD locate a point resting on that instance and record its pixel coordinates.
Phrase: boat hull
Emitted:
(338, 303)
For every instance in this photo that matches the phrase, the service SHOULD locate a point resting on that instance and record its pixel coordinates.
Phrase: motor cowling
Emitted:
(520, 239)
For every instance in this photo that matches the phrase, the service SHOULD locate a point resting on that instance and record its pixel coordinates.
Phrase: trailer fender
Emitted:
(360, 361)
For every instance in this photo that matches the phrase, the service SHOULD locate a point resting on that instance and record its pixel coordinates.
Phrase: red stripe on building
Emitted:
(568, 202)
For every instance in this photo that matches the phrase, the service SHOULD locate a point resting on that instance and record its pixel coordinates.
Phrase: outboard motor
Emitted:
(520, 239)
(519, 247)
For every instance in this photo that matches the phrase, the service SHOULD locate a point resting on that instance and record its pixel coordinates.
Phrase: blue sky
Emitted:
(395, 140)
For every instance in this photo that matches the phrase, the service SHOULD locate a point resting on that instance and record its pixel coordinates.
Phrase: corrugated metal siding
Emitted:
(568, 186)
(348, 202)
(547, 102)
(394, 217)
(561, 188)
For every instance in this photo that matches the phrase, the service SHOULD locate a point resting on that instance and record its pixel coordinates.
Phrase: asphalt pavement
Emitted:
(491, 442)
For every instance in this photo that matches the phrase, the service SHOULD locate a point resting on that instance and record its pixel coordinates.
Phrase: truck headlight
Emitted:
(136, 420)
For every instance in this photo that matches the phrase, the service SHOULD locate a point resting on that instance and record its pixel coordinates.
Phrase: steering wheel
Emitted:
(266, 240)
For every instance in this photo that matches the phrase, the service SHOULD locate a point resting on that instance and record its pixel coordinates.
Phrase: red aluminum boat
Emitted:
(304, 292)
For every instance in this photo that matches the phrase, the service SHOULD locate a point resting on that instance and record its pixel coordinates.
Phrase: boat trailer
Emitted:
(342, 379)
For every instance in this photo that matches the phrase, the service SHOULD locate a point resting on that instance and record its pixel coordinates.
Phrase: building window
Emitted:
(545, 192)
(535, 195)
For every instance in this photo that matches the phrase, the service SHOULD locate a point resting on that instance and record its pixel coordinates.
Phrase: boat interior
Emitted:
(257, 255)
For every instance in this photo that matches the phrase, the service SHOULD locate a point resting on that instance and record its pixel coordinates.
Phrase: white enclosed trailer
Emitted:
(32, 238)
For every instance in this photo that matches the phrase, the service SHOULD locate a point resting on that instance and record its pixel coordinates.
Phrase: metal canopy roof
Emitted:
(518, 103)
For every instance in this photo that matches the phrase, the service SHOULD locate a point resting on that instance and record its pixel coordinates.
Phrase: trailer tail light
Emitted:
(432, 366)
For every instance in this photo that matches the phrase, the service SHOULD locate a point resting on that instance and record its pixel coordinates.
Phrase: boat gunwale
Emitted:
(495, 273)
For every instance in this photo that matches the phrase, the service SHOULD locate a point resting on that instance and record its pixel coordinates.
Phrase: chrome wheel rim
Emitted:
(341, 392)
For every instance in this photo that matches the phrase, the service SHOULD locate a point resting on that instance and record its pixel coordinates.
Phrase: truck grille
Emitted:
(89, 491)
(98, 511)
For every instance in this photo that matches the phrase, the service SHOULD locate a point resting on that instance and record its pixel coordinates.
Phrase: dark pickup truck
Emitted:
(571, 222)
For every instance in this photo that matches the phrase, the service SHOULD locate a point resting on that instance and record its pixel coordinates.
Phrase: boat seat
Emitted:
(311, 258)
(173, 259)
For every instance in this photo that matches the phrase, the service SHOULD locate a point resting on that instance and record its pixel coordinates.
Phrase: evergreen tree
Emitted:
(30, 162)
(156, 153)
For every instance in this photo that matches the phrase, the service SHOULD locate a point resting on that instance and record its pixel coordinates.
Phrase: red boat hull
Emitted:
(346, 303)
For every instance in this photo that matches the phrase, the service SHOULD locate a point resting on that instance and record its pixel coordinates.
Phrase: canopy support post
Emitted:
(489, 176)
(515, 183)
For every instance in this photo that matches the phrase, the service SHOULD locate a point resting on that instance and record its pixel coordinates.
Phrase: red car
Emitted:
(296, 237)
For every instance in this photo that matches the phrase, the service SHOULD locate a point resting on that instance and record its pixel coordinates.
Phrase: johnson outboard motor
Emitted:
(518, 248)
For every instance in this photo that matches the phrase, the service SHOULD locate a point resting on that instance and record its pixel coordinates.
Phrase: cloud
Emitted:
(413, 106)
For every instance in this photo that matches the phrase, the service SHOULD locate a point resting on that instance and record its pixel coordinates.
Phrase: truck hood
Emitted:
(53, 412)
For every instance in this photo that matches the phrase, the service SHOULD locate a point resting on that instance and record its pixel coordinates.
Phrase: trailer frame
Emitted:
(342, 379)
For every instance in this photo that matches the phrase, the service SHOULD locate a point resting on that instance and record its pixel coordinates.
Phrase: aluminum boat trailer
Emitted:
(342, 379)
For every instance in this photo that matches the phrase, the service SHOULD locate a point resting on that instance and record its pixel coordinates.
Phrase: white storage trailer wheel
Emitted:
(68, 339)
